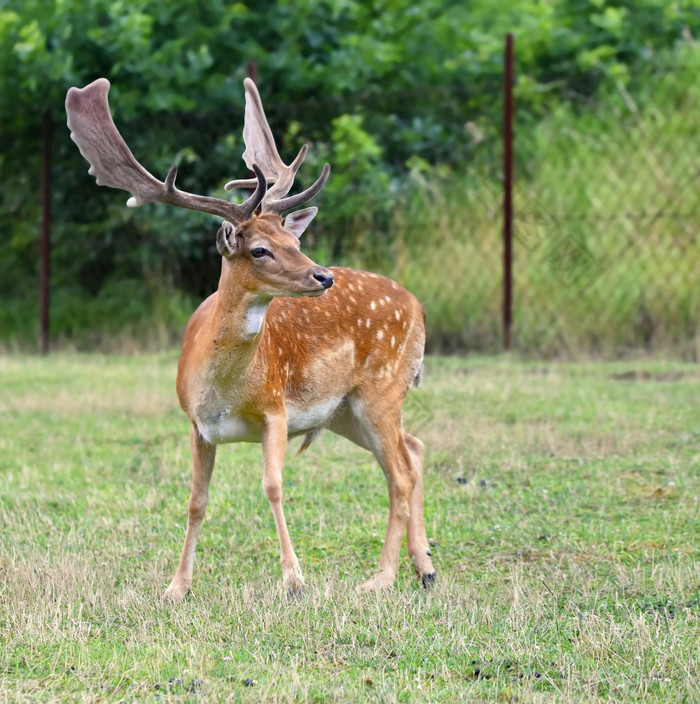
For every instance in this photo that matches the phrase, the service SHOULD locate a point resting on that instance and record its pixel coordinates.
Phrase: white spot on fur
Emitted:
(393, 341)
(253, 318)
(380, 334)
(369, 322)
(359, 322)
(397, 314)
(372, 305)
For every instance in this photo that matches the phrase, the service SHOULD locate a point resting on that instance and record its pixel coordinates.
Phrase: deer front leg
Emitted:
(274, 447)
(203, 455)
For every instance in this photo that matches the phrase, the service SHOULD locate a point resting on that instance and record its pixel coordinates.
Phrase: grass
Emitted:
(561, 500)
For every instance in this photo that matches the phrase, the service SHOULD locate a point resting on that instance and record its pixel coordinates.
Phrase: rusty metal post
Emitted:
(45, 275)
(252, 69)
(508, 193)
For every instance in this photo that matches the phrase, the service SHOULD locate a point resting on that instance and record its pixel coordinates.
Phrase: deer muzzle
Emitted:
(323, 276)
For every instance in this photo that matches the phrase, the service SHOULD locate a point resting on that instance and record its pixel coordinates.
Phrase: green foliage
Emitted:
(379, 88)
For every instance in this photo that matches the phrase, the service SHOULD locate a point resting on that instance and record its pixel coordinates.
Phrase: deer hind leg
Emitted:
(386, 440)
(417, 541)
(274, 446)
(203, 456)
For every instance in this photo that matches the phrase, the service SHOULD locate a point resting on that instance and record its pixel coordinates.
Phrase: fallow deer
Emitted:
(284, 347)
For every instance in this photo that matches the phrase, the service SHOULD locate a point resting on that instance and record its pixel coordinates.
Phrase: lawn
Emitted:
(562, 504)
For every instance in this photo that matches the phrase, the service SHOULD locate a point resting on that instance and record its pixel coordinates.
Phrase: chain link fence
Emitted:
(606, 214)
(607, 254)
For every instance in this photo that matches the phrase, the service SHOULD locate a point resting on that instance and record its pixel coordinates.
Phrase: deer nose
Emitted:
(324, 277)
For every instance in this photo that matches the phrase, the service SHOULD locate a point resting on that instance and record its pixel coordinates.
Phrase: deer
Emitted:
(284, 347)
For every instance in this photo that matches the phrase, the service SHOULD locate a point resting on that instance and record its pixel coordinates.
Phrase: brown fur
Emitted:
(275, 352)
(353, 351)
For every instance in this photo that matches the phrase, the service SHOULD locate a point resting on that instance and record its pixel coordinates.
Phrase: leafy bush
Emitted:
(389, 93)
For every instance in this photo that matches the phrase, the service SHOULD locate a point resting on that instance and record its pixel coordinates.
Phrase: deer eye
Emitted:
(259, 252)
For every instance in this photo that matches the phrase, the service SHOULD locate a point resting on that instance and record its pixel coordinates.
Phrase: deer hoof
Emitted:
(176, 593)
(295, 593)
(294, 586)
(428, 580)
(379, 583)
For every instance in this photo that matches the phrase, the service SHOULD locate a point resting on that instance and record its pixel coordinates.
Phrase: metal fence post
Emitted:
(252, 69)
(508, 193)
(45, 276)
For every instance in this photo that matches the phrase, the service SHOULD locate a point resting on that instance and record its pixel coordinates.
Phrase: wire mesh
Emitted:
(607, 256)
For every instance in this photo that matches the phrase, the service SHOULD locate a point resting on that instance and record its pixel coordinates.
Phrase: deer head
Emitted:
(260, 249)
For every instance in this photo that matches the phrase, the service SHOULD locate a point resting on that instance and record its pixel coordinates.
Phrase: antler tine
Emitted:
(285, 204)
(244, 183)
(113, 164)
(261, 148)
(285, 179)
(249, 205)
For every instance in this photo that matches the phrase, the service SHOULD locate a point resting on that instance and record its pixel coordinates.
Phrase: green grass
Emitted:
(562, 501)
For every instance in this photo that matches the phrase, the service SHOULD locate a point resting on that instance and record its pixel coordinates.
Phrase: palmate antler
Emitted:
(261, 150)
(113, 164)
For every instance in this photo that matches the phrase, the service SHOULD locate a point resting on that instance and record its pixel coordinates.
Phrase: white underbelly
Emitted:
(228, 429)
(301, 418)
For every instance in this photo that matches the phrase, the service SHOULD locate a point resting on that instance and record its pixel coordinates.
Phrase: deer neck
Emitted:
(241, 310)
(239, 322)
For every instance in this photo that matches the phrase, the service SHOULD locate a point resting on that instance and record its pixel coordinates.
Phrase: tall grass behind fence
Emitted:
(608, 254)
(607, 213)
(449, 253)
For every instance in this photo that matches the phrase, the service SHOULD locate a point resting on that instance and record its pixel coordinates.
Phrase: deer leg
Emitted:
(203, 455)
(417, 540)
(274, 447)
(392, 453)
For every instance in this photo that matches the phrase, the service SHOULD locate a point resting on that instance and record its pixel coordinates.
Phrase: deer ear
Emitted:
(299, 220)
(226, 239)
